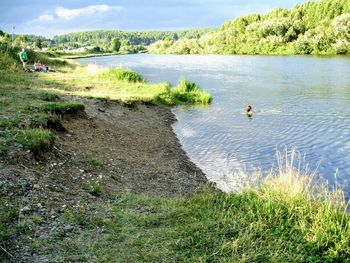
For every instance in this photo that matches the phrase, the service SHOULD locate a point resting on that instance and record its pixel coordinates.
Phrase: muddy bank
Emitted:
(108, 150)
(139, 151)
(134, 146)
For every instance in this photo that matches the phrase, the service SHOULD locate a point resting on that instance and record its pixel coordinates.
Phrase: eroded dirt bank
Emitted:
(133, 149)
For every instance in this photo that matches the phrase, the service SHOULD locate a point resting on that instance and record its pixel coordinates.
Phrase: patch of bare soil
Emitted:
(139, 154)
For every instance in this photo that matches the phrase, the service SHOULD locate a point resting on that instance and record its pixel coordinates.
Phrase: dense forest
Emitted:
(313, 28)
(104, 38)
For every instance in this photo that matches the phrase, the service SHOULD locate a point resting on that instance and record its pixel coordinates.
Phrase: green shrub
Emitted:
(122, 74)
(91, 159)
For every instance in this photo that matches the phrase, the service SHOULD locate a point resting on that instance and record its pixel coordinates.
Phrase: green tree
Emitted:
(115, 46)
(38, 43)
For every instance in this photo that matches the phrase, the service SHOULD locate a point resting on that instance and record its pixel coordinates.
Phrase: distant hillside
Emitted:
(313, 28)
(103, 38)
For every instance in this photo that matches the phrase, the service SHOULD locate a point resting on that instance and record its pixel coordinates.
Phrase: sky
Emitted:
(49, 18)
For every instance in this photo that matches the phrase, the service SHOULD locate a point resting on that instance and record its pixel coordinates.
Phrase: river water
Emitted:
(301, 102)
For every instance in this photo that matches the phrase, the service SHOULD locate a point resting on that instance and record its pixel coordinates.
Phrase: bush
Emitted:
(123, 74)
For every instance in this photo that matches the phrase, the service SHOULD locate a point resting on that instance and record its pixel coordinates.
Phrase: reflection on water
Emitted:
(297, 101)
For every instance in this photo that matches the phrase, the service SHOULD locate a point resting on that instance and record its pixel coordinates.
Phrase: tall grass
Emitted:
(186, 92)
(122, 74)
(283, 218)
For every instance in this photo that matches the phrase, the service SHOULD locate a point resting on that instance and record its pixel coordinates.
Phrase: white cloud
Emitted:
(65, 13)
(45, 17)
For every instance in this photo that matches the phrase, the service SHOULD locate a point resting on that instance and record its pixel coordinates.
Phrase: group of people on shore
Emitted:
(38, 67)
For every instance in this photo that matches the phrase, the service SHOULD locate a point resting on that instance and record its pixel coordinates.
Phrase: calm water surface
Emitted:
(302, 102)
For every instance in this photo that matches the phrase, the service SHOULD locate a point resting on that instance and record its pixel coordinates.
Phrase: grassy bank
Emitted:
(34, 100)
(283, 219)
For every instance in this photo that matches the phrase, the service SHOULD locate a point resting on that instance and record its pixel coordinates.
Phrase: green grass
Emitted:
(31, 139)
(92, 160)
(94, 188)
(60, 108)
(124, 85)
(186, 92)
(284, 218)
(122, 74)
(47, 96)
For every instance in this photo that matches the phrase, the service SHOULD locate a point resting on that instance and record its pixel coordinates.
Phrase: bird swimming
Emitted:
(249, 111)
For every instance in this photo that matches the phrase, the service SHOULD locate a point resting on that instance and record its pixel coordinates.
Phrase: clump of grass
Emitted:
(34, 139)
(94, 187)
(37, 219)
(61, 107)
(122, 74)
(31, 139)
(92, 160)
(186, 92)
(46, 96)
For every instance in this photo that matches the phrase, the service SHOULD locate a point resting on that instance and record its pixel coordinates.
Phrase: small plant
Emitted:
(94, 187)
(36, 219)
(123, 74)
(92, 160)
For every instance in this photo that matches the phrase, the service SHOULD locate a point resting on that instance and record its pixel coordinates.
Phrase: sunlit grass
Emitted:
(286, 217)
(124, 85)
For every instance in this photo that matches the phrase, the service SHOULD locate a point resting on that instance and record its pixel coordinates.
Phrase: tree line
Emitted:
(312, 28)
(112, 39)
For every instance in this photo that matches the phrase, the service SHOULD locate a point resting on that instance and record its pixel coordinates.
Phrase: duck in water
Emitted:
(250, 111)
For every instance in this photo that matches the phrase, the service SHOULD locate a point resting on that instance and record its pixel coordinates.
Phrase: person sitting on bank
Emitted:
(24, 59)
(37, 66)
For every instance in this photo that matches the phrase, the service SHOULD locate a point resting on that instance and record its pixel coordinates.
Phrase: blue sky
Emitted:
(50, 18)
